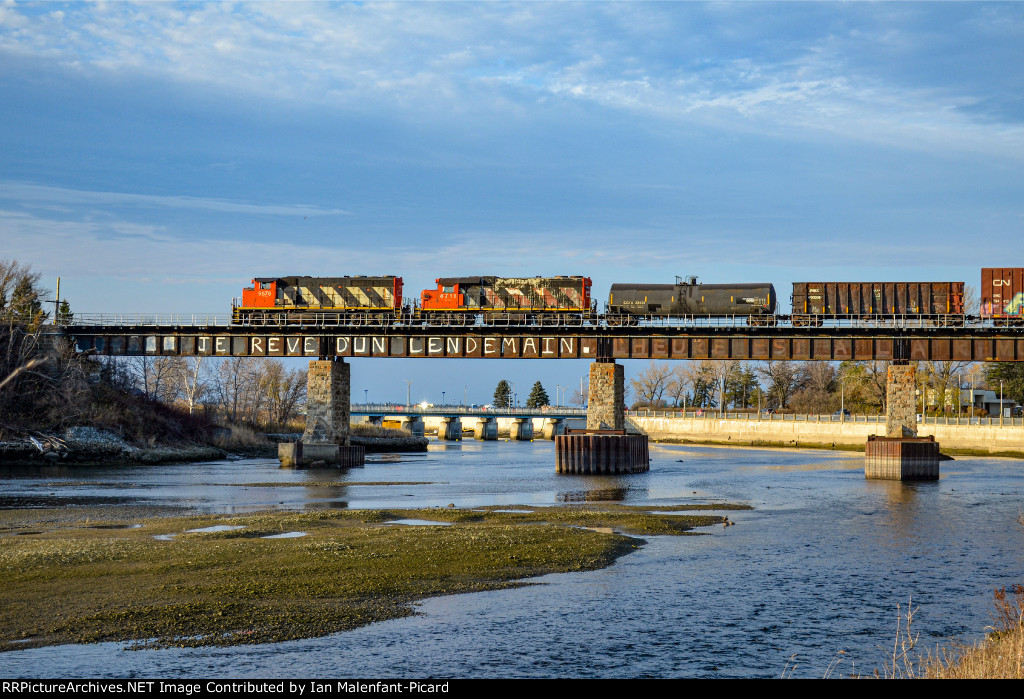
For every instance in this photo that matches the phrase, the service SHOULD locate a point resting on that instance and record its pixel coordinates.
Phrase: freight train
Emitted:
(567, 300)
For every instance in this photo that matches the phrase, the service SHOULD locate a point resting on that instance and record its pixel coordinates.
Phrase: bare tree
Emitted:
(650, 384)
(938, 377)
(237, 388)
(284, 390)
(192, 380)
(678, 383)
(783, 380)
(817, 393)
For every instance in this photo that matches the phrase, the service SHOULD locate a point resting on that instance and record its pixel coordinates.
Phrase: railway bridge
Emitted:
(329, 345)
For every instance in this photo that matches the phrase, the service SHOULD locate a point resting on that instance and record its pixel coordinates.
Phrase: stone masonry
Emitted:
(605, 411)
(327, 399)
(900, 411)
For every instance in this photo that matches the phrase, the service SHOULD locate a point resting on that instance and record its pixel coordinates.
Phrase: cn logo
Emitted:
(1000, 282)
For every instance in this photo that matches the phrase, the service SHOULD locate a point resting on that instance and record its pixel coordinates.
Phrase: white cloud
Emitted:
(34, 194)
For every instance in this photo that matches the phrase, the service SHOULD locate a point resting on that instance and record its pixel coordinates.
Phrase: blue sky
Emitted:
(157, 156)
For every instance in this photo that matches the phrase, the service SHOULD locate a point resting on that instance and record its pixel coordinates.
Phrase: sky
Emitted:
(158, 156)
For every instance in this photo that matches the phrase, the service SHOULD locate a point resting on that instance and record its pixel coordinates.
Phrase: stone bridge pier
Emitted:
(328, 413)
(901, 455)
(604, 447)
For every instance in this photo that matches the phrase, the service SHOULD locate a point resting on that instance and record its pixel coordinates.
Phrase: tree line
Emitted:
(813, 386)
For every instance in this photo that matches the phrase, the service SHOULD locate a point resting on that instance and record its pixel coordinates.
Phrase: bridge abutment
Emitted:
(901, 455)
(486, 429)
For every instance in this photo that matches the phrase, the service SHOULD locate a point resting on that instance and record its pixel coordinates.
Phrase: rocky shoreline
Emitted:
(89, 445)
(84, 446)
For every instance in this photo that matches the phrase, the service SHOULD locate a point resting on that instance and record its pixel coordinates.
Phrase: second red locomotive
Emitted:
(545, 300)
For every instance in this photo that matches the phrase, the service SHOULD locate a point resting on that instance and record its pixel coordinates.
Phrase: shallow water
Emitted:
(817, 568)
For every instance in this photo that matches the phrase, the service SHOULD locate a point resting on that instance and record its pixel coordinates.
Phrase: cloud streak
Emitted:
(40, 194)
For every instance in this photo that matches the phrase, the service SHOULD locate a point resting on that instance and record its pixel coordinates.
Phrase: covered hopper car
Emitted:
(277, 300)
(939, 303)
(545, 300)
(628, 302)
(1002, 295)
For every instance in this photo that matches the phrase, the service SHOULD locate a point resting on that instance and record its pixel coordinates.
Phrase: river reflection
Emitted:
(817, 568)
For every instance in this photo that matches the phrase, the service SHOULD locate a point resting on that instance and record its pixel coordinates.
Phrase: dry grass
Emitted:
(236, 436)
(362, 429)
(999, 656)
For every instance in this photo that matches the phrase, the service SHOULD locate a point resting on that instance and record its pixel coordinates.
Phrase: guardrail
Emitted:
(445, 410)
(691, 414)
(328, 320)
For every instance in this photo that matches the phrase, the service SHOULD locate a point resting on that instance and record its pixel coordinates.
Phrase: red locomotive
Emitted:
(319, 299)
(545, 300)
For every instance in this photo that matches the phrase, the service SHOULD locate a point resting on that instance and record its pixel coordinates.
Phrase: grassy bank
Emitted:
(89, 581)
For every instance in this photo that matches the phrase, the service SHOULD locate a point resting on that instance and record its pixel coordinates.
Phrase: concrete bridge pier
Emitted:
(553, 426)
(412, 424)
(486, 429)
(328, 412)
(901, 455)
(604, 447)
(375, 420)
(450, 429)
(521, 429)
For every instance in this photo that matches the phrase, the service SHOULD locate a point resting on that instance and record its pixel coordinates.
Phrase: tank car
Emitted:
(687, 297)
(938, 303)
(278, 300)
(546, 300)
(1002, 295)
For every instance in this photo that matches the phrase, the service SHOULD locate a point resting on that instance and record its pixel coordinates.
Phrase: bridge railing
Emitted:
(155, 320)
(509, 320)
(481, 411)
(712, 414)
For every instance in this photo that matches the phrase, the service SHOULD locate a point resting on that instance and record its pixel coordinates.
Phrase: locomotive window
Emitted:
(265, 285)
(448, 289)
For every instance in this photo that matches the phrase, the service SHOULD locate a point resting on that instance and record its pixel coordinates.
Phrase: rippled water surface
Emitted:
(817, 568)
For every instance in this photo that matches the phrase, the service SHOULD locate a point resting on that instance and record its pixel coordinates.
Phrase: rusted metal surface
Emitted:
(877, 299)
(902, 458)
(599, 452)
(1002, 293)
(992, 344)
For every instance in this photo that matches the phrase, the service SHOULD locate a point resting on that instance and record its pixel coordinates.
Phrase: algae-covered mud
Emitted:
(273, 576)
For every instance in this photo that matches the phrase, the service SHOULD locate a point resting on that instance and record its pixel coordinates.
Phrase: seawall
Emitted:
(988, 439)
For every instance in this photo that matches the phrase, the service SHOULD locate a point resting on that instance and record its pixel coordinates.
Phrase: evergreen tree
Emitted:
(1012, 376)
(538, 397)
(502, 395)
(65, 316)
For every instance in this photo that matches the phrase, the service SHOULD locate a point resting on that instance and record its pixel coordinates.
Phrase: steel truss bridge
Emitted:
(913, 338)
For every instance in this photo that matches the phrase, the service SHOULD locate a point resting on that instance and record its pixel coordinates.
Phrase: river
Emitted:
(811, 577)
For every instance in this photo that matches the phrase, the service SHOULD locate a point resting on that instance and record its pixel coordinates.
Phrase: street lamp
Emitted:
(442, 398)
(1000, 402)
(366, 393)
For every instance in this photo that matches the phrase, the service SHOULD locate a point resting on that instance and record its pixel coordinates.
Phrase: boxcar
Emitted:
(626, 302)
(327, 299)
(1002, 295)
(494, 299)
(939, 302)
